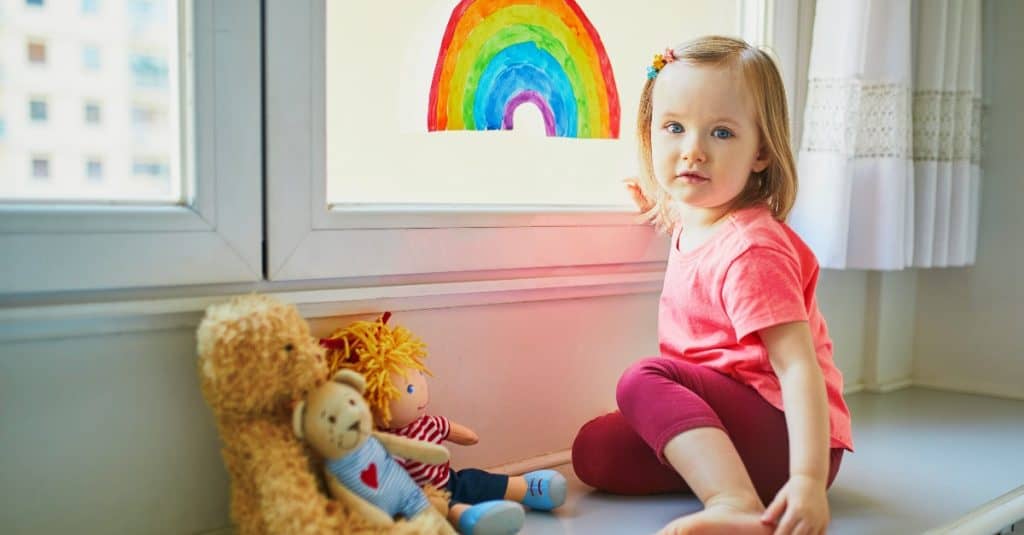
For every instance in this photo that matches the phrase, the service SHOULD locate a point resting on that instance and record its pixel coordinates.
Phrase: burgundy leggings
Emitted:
(661, 397)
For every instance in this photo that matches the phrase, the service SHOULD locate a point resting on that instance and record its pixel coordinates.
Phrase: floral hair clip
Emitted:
(660, 60)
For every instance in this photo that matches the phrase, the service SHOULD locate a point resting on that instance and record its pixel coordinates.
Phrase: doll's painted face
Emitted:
(412, 400)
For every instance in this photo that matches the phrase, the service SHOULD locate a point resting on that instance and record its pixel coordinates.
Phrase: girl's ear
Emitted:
(761, 161)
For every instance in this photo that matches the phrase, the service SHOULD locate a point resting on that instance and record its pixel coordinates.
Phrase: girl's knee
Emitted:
(589, 453)
(637, 375)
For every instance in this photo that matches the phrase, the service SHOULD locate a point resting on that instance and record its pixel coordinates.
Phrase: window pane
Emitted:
(40, 168)
(38, 111)
(79, 81)
(94, 170)
(92, 113)
(36, 52)
(91, 58)
(549, 91)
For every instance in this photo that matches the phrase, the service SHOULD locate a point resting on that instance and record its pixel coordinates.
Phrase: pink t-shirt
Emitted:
(755, 272)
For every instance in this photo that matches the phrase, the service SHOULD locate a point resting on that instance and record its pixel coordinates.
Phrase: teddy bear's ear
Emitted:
(351, 378)
(297, 415)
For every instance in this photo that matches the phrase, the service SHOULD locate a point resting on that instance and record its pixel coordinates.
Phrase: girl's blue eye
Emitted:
(721, 133)
(410, 389)
(674, 128)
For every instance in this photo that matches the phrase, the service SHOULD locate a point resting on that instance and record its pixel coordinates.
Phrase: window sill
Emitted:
(36, 322)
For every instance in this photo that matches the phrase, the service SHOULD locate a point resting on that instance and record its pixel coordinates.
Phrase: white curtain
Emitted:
(889, 160)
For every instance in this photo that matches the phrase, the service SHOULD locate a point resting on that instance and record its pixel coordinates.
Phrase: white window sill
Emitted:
(26, 323)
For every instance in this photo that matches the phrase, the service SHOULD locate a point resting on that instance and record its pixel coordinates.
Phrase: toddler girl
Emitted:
(744, 405)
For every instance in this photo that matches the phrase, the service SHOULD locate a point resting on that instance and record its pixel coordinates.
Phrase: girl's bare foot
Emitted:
(719, 518)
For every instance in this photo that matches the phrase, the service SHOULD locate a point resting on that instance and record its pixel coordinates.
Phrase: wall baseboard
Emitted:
(853, 389)
(548, 460)
(972, 388)
(890, 386)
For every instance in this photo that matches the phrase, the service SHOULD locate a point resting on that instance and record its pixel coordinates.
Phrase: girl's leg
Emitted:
(609, 455)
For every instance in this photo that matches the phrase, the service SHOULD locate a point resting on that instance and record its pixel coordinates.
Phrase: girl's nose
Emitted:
(693, 151)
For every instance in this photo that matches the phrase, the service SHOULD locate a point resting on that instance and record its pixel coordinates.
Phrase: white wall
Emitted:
(970, 323)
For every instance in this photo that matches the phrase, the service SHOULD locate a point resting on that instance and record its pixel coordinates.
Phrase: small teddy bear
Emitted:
(360, 470)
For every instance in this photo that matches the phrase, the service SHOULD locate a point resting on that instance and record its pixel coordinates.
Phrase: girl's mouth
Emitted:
(691, 177)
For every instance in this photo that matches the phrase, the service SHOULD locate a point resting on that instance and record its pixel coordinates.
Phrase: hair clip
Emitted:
(660, 60)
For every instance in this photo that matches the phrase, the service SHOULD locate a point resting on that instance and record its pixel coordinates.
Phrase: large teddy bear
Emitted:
(256, 359)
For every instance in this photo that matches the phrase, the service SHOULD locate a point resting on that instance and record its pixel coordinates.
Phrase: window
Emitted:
(37, 52)
(353, 131)
(149, 168)
(92, 113)
(149, 71)
(94, 170)
(40, 168)
(38, 111)
(91, 58)
(3, 128)
(144, 116)
(34, 2)
(90, 7)
(204, 225)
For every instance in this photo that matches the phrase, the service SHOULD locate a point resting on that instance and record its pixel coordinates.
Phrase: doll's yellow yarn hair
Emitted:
(376, 351)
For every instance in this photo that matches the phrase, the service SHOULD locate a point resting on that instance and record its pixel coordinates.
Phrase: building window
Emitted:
(3, 128)
(91, 58)
(92, 113)
(90, 6)
(34, 2)
(40, 168)
(149, 71)
(149, 168)
(37, 52)
(38, 110)
(94, 170)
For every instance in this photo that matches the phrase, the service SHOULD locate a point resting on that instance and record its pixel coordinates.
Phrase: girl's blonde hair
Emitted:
(376, 351)
(776, 185)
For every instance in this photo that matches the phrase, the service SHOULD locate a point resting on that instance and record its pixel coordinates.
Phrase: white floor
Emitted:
(923, 459)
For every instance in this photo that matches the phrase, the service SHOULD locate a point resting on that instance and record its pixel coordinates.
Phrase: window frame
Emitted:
(216, 237)
(308, 239)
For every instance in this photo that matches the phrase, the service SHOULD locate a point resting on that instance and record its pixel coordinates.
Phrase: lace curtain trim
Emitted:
(870, 119)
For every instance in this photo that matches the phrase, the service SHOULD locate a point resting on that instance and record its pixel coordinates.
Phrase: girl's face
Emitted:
(705, 141)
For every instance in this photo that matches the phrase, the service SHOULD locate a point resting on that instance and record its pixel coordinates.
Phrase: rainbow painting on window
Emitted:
(497, 55)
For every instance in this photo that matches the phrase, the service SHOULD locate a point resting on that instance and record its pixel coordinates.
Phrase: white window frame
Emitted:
(306, 239)
(215, 238)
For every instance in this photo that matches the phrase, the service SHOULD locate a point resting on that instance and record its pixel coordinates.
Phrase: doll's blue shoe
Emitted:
(545, 490)
(496, 517)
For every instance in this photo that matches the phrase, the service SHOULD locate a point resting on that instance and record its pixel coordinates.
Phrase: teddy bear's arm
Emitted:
(416, 450)
(290, 500)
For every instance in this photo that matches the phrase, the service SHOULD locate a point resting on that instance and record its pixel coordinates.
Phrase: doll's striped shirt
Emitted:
(433, 429)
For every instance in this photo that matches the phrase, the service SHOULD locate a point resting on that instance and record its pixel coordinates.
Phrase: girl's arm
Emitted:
(461, 434)
(792, 356)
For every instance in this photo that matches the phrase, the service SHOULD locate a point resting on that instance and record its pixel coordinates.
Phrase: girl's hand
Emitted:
(638, 196)
(800, 507)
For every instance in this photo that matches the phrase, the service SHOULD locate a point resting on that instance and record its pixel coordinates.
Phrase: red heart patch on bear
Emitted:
(369, 476)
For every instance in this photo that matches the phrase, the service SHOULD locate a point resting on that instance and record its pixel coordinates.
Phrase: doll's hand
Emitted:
(462, 435)
(800, 507)
(642, 203)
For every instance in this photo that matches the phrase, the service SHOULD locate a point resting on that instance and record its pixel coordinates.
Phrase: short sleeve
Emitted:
(444, 427)
(763, 288)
